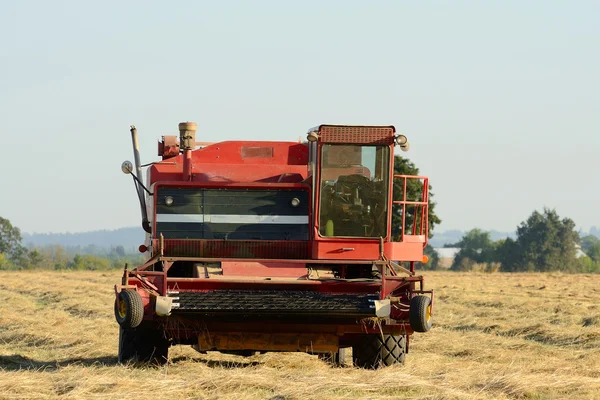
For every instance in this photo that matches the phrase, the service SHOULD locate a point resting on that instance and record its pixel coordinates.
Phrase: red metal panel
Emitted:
(357, 134)
(223, 173)
(404, 251)
(239, 161)
(263, 269)
(350, 249)
(282, 153)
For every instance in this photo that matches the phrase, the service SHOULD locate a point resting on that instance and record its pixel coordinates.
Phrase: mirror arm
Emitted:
(138, 182)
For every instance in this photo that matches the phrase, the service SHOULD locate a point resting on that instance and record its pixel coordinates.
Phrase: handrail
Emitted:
(420, 222)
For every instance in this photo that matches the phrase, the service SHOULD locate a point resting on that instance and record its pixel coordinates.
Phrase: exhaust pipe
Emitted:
(138, 168)
(187, 143)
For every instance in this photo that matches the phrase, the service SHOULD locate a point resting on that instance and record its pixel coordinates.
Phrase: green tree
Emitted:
(589, 241)
(507, 253)
(10, 241)
(545, 242)
(587, 265)
(476, 247)
(36, 259)
(89, 262)
(590, 245)
(4, 263)
(32, 259)
(414, 190)
(120, 250)
(594, 252)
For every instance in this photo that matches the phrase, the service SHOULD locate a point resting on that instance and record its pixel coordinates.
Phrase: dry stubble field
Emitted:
(496, 336)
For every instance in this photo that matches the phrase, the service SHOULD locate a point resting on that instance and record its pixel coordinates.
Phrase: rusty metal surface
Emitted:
(169, 147)
(307, 342)
(346, 134)
(260, 249)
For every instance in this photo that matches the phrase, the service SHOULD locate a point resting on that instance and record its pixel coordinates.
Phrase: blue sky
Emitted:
(500, 100)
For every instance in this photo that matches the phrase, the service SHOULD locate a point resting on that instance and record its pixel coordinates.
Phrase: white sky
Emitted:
(500, 100)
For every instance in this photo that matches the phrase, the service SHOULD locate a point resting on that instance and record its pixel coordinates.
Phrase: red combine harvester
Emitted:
(258, 246)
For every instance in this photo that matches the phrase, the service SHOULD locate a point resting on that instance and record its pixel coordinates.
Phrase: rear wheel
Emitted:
(143, 344)
(374, 351)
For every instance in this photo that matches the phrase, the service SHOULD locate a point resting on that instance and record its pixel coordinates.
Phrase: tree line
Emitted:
(15, 256)
(544, 242)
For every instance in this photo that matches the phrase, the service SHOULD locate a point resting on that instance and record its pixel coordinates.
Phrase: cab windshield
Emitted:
(354, 190)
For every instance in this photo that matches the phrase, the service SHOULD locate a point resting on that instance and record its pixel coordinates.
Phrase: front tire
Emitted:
(143, 345)
(420, 314)
(374, 351)
(129, 309)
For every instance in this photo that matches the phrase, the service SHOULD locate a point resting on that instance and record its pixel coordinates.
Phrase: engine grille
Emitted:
(276, 249)
(273, 303)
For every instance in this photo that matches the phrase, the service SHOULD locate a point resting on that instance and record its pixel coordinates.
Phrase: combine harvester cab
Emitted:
(258, 246)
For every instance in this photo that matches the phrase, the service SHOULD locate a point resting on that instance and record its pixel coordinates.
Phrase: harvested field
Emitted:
(496, 336)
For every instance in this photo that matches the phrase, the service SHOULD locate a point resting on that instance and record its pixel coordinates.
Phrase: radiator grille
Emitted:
(277, 249)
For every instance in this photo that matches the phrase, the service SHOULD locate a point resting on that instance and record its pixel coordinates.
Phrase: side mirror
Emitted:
(127, 167)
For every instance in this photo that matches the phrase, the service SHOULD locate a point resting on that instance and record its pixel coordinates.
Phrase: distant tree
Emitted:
(593, 252)
(89, 262)
(590, 245)
(10, 241)
(476, 247)
(403, 166)
(120, 250)
(544, 243)
(588, 241)
(4, 263)
(586, 264)
(507, 253)
(33, 259)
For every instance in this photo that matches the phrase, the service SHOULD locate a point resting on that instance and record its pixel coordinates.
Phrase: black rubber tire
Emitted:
(420, 314)
(374, 351)
(133, 309)
(143, 345)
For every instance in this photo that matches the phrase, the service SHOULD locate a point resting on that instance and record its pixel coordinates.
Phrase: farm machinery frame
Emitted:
(256, 246)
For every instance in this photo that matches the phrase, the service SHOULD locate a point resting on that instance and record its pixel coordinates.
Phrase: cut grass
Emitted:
(495, 336)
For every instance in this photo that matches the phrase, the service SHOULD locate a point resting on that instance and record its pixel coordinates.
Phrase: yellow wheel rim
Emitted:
(428, 314)
(122, 309)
